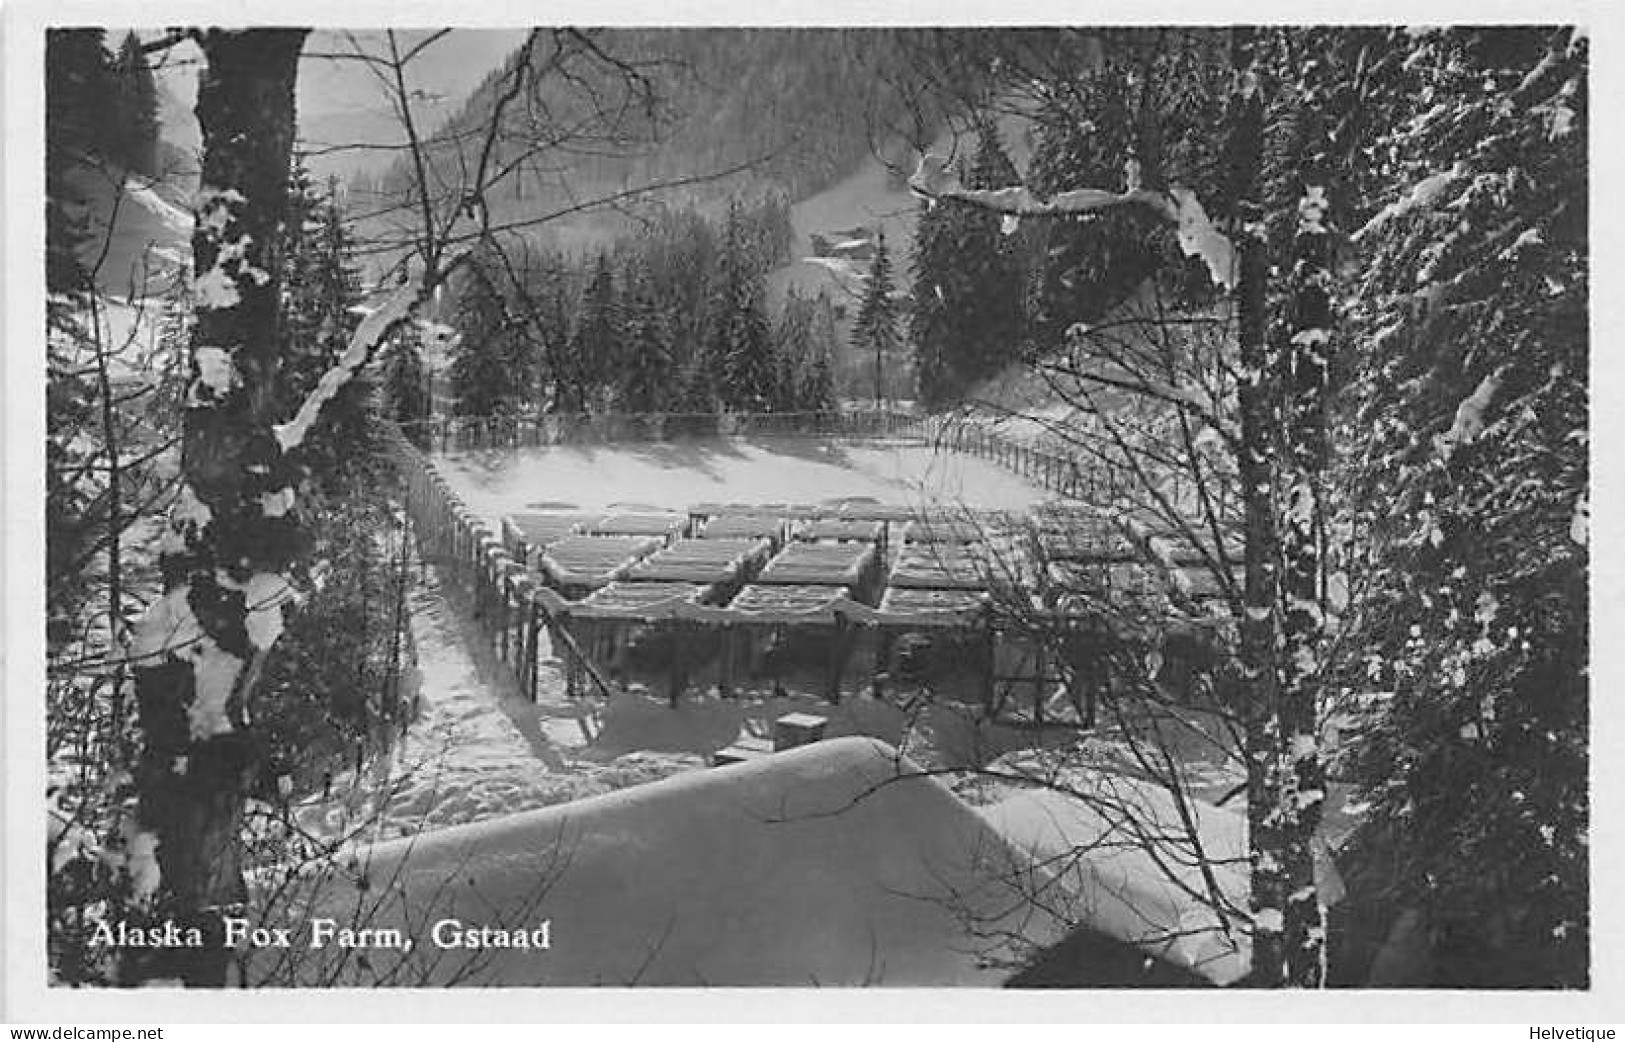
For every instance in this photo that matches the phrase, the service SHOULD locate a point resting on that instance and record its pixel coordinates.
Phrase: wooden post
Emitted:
(725, 664)
(679, 663)
(837, 659)
(502, 612)
(990, 667)
(521, 635)
(883, 645)
(1040, 681)
(533, 654)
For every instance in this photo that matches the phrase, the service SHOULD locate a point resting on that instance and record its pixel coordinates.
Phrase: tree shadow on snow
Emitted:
(817, 450)
(697, 454)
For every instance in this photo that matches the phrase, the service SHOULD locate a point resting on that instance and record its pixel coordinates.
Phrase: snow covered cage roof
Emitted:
(834, 863)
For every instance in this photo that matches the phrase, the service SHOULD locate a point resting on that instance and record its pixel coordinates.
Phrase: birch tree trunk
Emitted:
(232, 535)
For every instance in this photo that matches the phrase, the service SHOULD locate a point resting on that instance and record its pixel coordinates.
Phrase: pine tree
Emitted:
(930, 320)
(78, 87)
(405, 380)
(1471, 491)
(482, 369)
(792, 346)
(1082, 268)
(875, 331)
(648, 366)
(741, 349)
(321, 318)
(136, 130)
(967, 315)
(321, 285)
(595, 350)
(817, 392)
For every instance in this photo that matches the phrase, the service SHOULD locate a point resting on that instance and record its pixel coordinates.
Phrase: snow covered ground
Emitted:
(675, 474)
(818, 866)
(477, 749)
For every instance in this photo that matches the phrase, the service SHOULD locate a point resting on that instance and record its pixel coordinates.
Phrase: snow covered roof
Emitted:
(593, 560)
(639, 600)
(819, 564)
(701, 561)
(733, 526)
(819, 865)
(1117, 887)
(639, 523)
(940, 566)
(841, 529)
(541, 530)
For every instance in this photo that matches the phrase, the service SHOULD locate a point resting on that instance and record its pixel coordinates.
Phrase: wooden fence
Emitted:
(465, 433)
(512, 608)
(1048, 466)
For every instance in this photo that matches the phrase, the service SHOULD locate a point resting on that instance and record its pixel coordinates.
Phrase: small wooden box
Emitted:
(795, 729)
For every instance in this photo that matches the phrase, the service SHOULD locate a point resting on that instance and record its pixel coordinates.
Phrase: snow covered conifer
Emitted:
(875, 332)
(648, 366)
(741, 347)
(595, 349)
(967, 317)
(1472, 424)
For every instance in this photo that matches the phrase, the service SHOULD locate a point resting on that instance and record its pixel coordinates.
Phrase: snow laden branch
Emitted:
(1179, 206)
(373, 329)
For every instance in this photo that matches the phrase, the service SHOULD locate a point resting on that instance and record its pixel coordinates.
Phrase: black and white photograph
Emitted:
(1054, 507)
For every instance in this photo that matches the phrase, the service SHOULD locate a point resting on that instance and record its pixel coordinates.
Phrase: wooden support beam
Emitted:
(503, 615)
(725, 663)
(883, 645)
(679, 662)
(1040, 681)
(990, 681)
(837, 660)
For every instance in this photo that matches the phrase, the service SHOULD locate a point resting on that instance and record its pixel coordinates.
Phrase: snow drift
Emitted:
(1123, 864)
(831, 864)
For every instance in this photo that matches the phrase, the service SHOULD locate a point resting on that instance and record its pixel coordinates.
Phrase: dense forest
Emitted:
(672, 320)
(1315, 300)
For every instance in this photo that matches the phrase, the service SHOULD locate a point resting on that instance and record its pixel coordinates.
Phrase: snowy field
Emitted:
(754, 470)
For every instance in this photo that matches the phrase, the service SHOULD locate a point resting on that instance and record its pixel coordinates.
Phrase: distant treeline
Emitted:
(674, 318)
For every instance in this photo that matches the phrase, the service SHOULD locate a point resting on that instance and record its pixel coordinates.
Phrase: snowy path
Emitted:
(477, 749)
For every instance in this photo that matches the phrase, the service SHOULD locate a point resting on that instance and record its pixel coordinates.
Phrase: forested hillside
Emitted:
(710, 114)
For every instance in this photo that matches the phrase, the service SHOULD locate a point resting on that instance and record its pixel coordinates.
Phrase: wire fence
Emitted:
(511, 607)
(1046, 465)
(468, 433)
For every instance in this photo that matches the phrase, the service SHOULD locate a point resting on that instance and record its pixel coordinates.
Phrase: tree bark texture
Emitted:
(1305, 356)
(233, 534)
